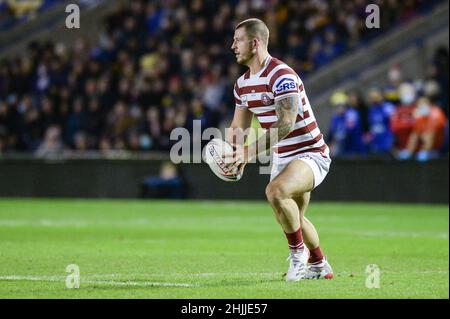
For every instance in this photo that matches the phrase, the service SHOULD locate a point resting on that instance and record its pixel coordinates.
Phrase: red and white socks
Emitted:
(316, 257)
(295, 240)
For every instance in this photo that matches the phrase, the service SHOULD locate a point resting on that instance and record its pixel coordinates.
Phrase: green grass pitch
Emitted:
(196, 249)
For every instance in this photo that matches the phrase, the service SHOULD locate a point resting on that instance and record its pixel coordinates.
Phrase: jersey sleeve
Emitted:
(237, 98)
(284, 83)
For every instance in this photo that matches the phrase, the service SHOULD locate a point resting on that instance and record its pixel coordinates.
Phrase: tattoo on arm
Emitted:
(286, 110)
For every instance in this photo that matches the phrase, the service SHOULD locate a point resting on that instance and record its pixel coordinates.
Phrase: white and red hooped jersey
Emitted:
(259, 92)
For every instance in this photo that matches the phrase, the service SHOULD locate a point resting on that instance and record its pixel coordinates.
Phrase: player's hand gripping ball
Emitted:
(213, 155)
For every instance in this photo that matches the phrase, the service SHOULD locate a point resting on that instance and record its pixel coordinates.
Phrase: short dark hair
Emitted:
(255, 28)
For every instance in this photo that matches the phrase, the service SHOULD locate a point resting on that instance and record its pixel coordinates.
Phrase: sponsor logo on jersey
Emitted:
(285, 84)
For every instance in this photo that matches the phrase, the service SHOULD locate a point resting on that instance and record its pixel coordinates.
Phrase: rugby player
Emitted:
(275, 94)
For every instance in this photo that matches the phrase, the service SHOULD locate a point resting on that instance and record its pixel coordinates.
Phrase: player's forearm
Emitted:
(229, 135)
(279, 130)
(236, 135)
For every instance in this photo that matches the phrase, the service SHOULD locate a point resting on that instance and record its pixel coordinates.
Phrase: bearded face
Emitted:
(242, 47)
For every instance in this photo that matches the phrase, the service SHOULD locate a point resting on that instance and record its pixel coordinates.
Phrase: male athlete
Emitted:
(275, 94)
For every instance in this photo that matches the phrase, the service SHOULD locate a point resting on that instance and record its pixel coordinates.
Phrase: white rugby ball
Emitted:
(213, 155)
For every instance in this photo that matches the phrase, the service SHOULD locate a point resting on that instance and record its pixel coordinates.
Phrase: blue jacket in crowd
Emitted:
(379, 119)
(346, 132)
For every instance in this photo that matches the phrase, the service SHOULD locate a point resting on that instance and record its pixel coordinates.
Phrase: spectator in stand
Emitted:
(402, 121)
(214, 90)
(356, 101)
(345, 133)
(394, 81)
(168, 184)
(380, 139)
(23, 8)
(81, 142)
(432, 90)
(427, 137)
(52, 144)
(151, 129)
(333, 47)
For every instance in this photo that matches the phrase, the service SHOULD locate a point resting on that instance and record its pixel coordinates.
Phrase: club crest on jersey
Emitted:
(244, 100)
(285, 84)
(265, 99)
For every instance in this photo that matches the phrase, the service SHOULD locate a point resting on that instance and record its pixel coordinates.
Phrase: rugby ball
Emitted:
(213, 155)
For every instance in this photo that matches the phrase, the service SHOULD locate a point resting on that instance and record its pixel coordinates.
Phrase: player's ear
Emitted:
(255, 45)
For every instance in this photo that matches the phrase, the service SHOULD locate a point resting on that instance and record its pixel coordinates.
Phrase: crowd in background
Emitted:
(162, 64)
(404, 119)
(14, 12)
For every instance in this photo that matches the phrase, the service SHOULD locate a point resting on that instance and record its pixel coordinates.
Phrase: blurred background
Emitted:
(88, 112)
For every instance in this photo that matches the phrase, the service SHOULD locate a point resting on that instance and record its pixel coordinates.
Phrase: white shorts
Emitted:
(319, 163)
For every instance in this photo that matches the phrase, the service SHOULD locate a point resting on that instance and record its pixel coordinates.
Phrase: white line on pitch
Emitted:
(97, 282)
(91, 278)
(206, 274)
(243, 274)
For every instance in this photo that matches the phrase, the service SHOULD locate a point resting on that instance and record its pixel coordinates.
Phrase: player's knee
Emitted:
(270, 192)
(276, 192)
